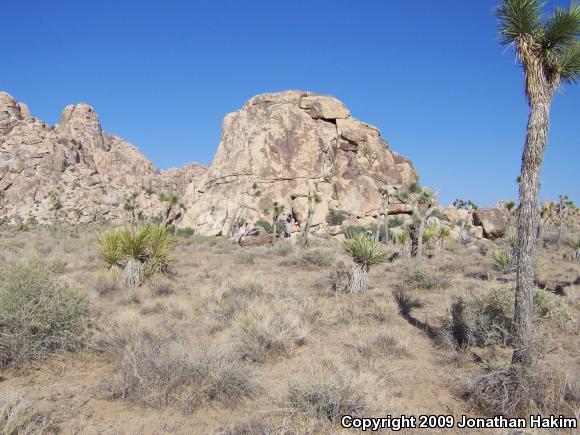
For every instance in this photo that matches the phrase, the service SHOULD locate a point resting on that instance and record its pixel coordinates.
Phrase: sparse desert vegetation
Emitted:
(226, 346)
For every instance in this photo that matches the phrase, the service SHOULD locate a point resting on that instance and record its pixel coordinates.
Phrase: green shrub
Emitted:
(185, 232)
(38, 315)
(317, 257)
(487, 319)
(335, 217)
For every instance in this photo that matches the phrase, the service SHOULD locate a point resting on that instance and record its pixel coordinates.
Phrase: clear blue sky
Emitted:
(162, 74)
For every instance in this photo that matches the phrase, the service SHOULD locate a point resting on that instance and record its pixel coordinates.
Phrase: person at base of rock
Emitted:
(289, 224)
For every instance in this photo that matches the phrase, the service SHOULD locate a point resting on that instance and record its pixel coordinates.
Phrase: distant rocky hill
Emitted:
(88, 171)
(288, 146)
(280, 147)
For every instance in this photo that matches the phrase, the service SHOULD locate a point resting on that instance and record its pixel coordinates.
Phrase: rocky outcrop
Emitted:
(492, 222)
(302, 150)
(291, 147)
(86, 170)
(256, 236)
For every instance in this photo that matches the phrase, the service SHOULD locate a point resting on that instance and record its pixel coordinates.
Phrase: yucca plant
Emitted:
(402, 239)
(502, 261)
(574, 253)
(365, 252)
(139, 251)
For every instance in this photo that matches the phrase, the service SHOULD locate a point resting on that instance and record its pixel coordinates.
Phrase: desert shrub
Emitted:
(283, 248)
(106, 283)
(389, 345)
(325, 395)
(247, 256)
(335, 217)
(39, 315)
(18, 417)
(57, 266)
(519, 392)
(423, 278)
(224, 305)
(156, 371)
(574, 250)
(266, 331)
(317, 257)
(161, 287)
(487, 319)
(353, 231)
(264, 224)
(395, 221)
(406, 302)
(252, 427)
(140, 251)
(185, 232)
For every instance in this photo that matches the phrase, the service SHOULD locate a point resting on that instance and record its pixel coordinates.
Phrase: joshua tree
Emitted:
(313, 200)
(385, 199)
(55, 205)
(171, 201)
(130, 204)
(422, 200)
(277, 210)
(549, 53)
(564, 208)
(365, 252)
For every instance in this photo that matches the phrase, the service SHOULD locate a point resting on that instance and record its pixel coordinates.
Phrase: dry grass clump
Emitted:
(425, 278)
(325, 395)
(18, 417)
(160, 371)
(317, 258)
(106, 283)
(39, 315)
(224, 305)
(265, 331)
(161, 287)
(283, 248)
(253, 427)
(247, 256)
(518, 392)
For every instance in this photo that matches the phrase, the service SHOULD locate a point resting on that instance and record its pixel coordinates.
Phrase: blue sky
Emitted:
(162, 74)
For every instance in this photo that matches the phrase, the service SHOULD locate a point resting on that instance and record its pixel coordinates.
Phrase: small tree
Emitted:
(130, 204)
(313, 200)
(365, 252)
(385, 200)
(277, 210)
(55, 205)
(564, 207)
(171, 201)
(422, 201)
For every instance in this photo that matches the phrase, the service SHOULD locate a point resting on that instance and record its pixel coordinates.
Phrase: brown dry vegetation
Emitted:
(256, 341)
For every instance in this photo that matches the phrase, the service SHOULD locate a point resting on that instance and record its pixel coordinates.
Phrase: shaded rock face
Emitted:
(286, 147)
(492, 221)
(88, 170)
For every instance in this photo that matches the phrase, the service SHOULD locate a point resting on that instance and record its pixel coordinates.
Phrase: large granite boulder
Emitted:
(256, 236)
(492, 221)
(289, 147)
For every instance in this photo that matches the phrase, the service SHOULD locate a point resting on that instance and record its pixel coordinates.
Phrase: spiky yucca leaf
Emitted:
(109, 247)
(502, 260)
(161, 246)
(365, 251)
(134, 242)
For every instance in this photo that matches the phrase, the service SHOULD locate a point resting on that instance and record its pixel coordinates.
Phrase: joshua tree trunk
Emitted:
(528, 222)
(360, 279)
(386, 225)
(561, 228)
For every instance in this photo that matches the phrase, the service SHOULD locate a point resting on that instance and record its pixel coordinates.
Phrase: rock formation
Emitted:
(76, 164)
(288, 147)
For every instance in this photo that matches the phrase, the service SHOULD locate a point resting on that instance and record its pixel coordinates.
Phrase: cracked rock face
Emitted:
(90, 171)
(286, 146)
